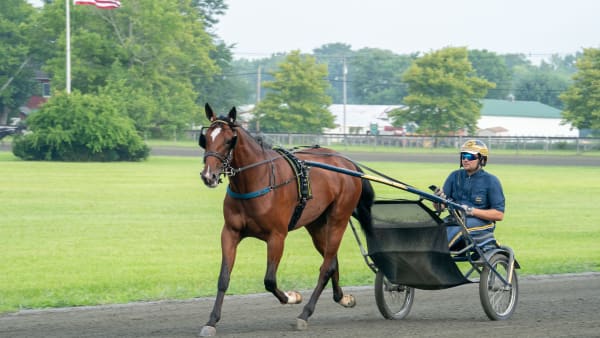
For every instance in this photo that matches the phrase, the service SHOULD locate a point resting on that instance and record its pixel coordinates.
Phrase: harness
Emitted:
(301, 173)
(304, 192)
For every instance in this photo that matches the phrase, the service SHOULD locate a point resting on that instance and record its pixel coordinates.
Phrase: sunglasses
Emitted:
(468, 156)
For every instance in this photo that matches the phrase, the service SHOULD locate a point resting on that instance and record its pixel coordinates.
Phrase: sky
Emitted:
(537, 28)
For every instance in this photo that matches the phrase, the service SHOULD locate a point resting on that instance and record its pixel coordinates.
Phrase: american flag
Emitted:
(104, 4)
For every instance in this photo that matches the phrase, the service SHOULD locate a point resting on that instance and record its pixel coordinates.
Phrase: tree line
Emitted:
(374, 76)
(157, 63)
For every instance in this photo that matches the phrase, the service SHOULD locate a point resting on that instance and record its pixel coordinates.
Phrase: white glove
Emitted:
(468, 210)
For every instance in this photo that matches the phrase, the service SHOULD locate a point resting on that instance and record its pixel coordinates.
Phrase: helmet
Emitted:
(476, 147)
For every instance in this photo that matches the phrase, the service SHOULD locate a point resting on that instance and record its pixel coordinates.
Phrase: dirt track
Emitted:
(549, 306)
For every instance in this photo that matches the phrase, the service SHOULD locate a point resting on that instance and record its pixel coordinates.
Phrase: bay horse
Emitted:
(270, 193)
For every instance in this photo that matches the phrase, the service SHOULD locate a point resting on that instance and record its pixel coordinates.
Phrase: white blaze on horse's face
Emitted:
(209, 176)
(215, 133)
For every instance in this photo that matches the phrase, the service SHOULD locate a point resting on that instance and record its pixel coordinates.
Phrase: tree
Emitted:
(492, 67)
(226, 88)
(246, 72)
(582, 99)
(80, 127)
(562, 64)
(16, 73)
(375, 76)
(444, 93)
(159, 52)
(297, 100)
(334, 55)
(209, 10)
(541, 85)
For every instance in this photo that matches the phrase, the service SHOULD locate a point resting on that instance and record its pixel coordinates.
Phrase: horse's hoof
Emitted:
(208, 331)
(301, 324)
(347, 301)
(293, 297)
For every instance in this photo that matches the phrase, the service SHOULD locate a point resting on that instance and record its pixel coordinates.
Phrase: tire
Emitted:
(393, 300)
(499, 301)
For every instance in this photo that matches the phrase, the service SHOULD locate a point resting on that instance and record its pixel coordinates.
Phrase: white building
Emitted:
(498, 118)
(522, 118)
(359, 119)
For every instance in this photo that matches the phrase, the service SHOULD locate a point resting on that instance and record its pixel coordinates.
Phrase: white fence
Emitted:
(571, 144)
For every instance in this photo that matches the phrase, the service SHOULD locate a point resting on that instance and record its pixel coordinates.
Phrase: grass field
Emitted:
(97, 233)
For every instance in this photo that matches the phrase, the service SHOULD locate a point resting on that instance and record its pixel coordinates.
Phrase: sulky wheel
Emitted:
(498, 300)
(393, 300)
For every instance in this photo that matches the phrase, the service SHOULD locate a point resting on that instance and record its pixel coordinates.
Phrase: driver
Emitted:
(479, 192)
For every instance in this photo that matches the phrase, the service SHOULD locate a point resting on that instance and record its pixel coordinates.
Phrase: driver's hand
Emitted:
(439, 207)
(440, 193)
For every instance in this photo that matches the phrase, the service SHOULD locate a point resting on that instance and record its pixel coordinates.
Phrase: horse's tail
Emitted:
(362, 212)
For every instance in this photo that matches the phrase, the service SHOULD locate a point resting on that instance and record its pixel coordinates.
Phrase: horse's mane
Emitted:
(258, 138)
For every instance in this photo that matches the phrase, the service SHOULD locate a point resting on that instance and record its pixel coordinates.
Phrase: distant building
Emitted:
(37, 99)
(362, 119)
(498, 118)
(522, 118)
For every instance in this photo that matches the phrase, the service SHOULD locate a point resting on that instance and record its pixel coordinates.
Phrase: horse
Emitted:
(272, 192)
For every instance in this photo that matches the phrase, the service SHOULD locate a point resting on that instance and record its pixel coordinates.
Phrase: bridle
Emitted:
(226, 168)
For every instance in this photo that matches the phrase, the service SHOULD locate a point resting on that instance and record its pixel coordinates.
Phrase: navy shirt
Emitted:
(481, 190)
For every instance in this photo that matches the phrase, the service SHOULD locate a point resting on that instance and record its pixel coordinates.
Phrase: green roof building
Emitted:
(522, 118)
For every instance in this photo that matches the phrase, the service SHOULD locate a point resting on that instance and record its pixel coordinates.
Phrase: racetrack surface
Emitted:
(549, 306)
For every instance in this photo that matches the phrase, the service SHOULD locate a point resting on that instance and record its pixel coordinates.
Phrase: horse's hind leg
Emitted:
(327, 240)
(338, 294)
(229, 242)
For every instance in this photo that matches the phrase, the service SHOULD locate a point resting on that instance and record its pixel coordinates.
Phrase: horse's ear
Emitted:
(232, 114)
(210, 115)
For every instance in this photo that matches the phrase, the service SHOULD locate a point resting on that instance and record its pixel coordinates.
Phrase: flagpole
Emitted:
(68, 30)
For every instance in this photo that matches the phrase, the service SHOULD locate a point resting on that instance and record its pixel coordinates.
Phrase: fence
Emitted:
(520, 143)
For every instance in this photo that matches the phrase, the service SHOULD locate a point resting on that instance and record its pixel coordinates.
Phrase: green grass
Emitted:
(97, 233)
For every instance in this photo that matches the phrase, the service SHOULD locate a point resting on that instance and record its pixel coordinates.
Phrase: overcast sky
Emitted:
(260, 28)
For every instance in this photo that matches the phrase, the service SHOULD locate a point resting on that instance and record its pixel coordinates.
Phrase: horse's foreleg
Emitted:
(274, 253)
(229, 242)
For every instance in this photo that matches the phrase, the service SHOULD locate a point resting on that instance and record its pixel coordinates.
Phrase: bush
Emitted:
(76, 127)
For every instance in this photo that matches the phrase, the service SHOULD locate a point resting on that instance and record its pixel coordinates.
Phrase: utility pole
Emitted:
(68, 51)
(258, 75)
(344, 71)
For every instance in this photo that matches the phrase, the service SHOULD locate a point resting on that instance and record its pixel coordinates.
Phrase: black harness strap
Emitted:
(303, 181)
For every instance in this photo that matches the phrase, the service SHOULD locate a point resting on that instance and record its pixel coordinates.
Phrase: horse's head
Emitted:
(218, 141)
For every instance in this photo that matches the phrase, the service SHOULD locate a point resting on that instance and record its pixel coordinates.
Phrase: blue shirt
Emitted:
(481, 190)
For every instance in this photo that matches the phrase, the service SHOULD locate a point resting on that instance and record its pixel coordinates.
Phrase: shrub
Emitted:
(80, 127)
